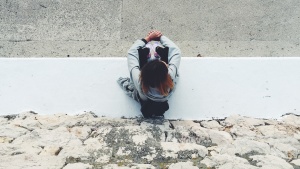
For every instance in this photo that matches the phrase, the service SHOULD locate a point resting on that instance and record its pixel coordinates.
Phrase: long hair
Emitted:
(155, 74)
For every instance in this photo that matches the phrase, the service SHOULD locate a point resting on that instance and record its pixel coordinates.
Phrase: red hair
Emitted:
(155, 74)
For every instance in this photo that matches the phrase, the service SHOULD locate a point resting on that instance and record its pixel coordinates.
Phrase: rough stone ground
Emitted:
(85, 141)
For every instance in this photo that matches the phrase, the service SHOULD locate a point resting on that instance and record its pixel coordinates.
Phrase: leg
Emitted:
(128, 87)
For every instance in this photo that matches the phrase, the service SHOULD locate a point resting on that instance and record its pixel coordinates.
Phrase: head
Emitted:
(155, 74)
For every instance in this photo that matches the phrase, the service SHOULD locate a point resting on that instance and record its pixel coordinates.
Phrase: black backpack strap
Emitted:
(163, 53)
(143, 53)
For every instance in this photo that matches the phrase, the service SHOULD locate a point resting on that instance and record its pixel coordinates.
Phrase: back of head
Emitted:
(155, 74)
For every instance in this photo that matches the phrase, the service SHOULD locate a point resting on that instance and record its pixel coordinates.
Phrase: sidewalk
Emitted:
(95, 28)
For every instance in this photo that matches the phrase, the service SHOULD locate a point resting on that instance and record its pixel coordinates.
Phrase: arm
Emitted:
(174, 56)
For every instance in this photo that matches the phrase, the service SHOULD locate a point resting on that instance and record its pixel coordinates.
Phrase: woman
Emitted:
(153, 64)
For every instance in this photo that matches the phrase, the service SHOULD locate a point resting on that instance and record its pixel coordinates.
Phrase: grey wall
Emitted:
(107, 28)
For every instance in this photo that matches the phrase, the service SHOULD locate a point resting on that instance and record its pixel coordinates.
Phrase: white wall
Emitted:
(208, 87)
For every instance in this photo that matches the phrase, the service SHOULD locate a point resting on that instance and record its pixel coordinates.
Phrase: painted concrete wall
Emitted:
(208, 87)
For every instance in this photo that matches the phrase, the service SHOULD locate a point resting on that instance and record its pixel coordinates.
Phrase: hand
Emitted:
(153, 35)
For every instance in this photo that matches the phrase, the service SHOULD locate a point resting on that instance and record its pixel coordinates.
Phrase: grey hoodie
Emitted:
(174, 58)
